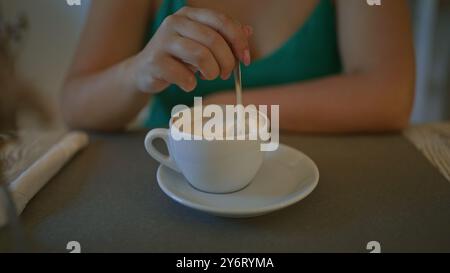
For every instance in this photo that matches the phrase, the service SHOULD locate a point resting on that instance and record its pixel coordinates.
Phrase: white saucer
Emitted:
(286, 177)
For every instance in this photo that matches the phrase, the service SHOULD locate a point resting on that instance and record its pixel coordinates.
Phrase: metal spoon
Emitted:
(238, 83)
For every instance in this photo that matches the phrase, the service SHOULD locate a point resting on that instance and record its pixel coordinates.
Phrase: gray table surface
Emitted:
(371, 188)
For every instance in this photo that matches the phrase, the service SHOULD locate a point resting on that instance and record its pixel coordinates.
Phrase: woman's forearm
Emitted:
(107, 100)
(342, 103)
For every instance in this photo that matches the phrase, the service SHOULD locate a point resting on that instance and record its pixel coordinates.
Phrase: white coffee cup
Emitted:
(213, 166)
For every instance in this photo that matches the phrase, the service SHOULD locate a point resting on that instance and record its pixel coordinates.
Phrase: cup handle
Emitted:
(166, 160)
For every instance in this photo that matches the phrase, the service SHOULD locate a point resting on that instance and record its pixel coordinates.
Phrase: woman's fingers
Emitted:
(230, 30)
(173, 71)
(195, 54)
(191, 41)
(211, 39)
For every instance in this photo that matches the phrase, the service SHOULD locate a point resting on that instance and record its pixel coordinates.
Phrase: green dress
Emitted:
(312, 52)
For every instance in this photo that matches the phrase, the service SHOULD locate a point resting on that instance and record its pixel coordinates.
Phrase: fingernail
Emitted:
(190, 84)
(247, 59)
(225, 76)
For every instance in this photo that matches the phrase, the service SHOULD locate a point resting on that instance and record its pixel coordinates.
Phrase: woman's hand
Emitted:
(188, 41)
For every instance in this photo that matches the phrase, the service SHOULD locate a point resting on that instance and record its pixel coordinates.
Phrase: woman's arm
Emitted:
(99, 92)
(375, 90)
(112, 77)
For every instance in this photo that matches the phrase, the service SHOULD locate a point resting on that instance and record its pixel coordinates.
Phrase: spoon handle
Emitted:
(238, 83)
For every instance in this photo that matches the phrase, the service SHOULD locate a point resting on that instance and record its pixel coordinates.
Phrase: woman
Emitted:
(332, 66)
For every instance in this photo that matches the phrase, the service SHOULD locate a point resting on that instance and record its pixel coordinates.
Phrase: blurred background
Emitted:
(43, 53)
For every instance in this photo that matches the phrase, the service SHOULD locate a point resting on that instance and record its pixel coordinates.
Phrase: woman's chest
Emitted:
(274, 22)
